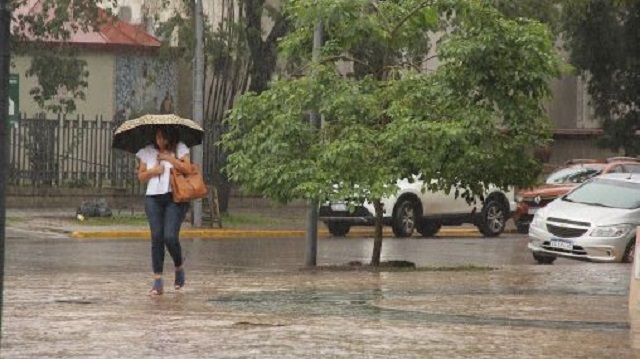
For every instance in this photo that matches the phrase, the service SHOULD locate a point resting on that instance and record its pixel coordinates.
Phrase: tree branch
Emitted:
(374, 4)
(344, 58)
(409, 15)
(423, 62)
(304, 69)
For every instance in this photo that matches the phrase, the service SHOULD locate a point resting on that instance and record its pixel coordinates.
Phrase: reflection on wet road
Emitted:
(361, 304)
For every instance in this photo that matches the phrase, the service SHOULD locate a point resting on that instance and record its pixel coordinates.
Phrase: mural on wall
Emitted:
(144, 85)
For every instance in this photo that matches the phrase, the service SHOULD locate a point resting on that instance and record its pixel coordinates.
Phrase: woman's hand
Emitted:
(183, 164)
(145, 174)
(164, 156)
(157, 170)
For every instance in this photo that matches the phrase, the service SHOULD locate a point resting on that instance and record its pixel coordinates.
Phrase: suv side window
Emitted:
(632, 168)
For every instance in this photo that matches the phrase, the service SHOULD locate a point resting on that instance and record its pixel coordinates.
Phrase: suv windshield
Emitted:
(607, 193)
(573, 174)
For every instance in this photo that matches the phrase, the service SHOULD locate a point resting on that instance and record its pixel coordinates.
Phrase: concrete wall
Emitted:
(142, 82)
(129, 82)
(563, 108)
(571, 147)
(99, 94)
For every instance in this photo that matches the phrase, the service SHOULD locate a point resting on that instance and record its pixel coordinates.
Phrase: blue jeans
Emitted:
(165, 218)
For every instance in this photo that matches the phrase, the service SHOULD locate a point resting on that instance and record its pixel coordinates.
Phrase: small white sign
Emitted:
(566, 245)
(12, 107)
(338, 207)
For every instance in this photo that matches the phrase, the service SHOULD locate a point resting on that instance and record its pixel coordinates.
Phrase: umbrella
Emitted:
(137, 133)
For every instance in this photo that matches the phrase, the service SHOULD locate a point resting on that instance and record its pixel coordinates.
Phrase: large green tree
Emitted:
(41, 34)
(471, 121)
(603, 38)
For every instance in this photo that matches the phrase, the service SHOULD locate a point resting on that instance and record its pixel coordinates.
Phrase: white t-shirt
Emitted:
(149, 156)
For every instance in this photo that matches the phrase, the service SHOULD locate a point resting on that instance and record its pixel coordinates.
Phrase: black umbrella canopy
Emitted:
(139, 132)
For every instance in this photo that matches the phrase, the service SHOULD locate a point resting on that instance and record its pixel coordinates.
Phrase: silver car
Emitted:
(594, 222)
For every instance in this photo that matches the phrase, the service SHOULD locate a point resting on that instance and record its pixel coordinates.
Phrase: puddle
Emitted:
(362, 304)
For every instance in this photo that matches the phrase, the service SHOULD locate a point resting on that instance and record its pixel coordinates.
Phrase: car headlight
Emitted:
(518, 198)
(538, 220)
(616, 231)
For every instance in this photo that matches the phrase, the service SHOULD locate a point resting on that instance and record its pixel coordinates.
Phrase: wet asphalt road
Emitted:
(248, 298)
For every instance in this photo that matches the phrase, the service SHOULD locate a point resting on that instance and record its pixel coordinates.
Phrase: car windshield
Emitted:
(573, 174)
(607, 193)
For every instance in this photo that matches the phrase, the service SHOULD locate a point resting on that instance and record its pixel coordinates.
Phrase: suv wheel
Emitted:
(428, 228)
(404, 219)
(543, 259)
(338, 229)
(493, 218)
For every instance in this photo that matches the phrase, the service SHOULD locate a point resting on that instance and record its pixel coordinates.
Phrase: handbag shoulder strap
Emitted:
(192, 165)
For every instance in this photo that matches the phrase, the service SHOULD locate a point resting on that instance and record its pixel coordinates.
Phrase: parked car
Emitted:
(596, 222)
(563, 180)
(412, 209)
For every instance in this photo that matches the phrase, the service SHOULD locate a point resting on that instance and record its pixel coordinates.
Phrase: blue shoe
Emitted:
(179, 282)
(157, 288)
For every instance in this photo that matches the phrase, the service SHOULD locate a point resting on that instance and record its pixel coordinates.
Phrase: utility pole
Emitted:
(5, 58)
(311, 252)
(198, 100)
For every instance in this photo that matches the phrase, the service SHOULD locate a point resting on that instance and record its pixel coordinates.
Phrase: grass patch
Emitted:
(243, 219)
(255, 221)
(234, 221)
(136, 220)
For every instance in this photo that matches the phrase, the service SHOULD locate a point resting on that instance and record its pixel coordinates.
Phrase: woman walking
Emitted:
(165, 216)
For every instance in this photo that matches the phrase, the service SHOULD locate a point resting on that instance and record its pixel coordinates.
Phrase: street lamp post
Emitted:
(198, 100)
(5, 58)
(311, 251)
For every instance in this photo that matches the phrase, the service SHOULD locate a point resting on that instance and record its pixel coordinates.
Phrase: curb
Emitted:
(250, 233)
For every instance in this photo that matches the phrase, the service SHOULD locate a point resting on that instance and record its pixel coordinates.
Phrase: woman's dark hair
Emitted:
(170, 133)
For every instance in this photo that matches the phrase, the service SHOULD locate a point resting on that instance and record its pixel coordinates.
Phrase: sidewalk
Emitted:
(285, 221)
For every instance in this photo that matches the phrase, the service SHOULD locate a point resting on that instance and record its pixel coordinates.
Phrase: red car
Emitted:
(564, 179)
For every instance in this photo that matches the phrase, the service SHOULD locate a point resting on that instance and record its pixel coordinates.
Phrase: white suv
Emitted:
(411, 209)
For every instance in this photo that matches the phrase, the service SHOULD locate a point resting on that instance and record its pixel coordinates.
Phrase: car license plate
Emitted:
(532, 210)
(566, 245)
(339, 207)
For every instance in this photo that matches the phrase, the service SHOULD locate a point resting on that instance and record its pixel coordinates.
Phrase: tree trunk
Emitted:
(377, 203)
(263, 53)
(377, 237)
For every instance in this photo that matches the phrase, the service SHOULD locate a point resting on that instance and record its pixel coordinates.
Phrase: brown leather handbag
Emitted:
(187, 187)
